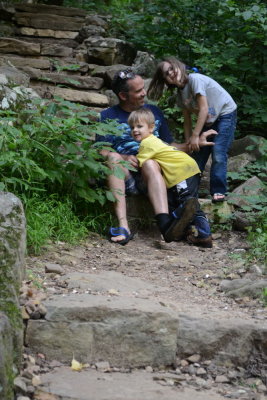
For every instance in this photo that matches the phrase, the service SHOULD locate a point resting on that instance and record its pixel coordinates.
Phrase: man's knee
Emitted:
(114, 157)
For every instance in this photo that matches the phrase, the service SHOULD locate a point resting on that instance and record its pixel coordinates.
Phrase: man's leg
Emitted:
(117, 187)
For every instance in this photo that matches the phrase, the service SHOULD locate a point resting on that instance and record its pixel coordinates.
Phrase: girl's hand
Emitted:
(203, 138)
(193, 143)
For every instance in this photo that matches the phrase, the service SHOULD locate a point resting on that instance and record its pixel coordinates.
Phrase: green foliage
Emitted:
(51, 219)
(49, 148)
(258, 239)
(226, 39)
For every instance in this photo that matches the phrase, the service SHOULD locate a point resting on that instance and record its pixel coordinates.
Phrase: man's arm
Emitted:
(202, 141)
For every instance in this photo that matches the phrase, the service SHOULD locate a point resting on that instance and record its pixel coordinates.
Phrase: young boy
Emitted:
(181, 175)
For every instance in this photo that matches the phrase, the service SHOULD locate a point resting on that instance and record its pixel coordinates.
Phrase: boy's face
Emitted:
(141, 130)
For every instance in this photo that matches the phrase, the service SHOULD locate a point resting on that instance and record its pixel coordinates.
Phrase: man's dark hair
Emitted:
(120, 81)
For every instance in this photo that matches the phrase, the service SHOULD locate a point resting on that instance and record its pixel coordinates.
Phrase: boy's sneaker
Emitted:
(177, 228)
(201, 242)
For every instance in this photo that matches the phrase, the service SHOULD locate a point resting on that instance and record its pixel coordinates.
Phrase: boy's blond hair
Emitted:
(142, 114)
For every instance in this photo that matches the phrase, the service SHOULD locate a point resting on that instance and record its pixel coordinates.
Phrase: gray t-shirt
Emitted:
(219, 100)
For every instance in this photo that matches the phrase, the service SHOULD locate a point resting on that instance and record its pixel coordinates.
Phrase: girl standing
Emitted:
(215, 109)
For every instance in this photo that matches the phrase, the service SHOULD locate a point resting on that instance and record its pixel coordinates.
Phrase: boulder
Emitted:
(109, 51)
(14, 76)
(12, 252)
(144, 64)
(250, 144)
(248, 193)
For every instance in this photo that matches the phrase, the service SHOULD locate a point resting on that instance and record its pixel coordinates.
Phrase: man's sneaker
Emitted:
(201, 242)
(177, 229)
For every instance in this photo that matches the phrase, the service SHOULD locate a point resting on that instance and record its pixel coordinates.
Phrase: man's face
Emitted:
(135, 98)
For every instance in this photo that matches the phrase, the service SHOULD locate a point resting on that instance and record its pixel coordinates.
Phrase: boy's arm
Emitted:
(144, 153)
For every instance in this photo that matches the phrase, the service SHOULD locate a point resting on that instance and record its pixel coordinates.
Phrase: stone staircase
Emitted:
(64, 51)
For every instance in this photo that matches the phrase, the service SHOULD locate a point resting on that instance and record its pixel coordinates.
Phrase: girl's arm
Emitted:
(187, 124)
(201, 119)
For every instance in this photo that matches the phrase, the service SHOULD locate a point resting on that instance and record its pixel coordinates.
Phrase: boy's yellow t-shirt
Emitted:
(176, 165)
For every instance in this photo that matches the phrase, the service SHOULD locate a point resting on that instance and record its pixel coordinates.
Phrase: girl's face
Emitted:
(141, 130)
(171, 75)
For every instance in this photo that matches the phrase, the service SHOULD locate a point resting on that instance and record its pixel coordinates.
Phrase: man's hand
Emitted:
(203, 138)
(131, 159)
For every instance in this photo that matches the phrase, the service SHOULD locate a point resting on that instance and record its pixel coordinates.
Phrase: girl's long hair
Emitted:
(158, 82)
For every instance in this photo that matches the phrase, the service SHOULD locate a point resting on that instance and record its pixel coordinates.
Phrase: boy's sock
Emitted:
(163, 222)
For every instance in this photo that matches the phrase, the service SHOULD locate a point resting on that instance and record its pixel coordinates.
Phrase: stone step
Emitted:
(111, 317)
(48, 21)
(80, 82)
(66, 384)
(50, 9)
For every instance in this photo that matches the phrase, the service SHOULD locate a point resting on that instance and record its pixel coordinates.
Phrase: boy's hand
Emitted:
(203, 138)
(131, 159)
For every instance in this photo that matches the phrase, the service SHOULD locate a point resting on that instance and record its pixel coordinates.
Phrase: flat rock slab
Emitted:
(122, 330)
(95, 385)
(111, 282)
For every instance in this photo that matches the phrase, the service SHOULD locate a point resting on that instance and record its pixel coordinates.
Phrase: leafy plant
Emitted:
(50, 148)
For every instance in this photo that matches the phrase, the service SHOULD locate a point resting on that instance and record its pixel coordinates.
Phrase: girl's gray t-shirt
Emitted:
(219, 100)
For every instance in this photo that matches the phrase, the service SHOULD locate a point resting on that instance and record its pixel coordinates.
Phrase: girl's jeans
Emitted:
(225, 126)
(176, 199)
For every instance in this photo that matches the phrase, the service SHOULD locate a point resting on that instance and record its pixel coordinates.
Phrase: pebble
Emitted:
(221, 379)
(195, 358)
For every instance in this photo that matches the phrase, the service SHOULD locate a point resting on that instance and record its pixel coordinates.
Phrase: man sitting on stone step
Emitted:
(131, 93)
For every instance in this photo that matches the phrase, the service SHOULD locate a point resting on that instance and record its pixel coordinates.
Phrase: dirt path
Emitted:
(190, 276)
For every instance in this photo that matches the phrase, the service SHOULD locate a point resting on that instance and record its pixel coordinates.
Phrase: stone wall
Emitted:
(12, 251)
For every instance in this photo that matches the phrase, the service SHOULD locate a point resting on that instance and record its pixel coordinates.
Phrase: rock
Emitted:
(103, 366)
(80, 82)
(219, 213)
(221, 379)
(18, 62)
(240, 196)
(144, 64)
(90, 98)
(250, 143)
(124, 331)
(15, 46)
(236, 163)
(201, 371)
(109, 51)
(49, 21)
(14, 76)
(56, 268)
(48, 33)
(252, 289)
(57, 50)
(194, 358)
(20, 385)
(50, 9)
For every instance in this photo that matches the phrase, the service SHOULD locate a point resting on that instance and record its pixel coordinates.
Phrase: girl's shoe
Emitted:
(218, 197)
